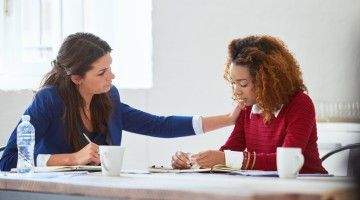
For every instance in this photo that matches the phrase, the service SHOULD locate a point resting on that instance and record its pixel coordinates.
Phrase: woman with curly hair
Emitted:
(278, 112)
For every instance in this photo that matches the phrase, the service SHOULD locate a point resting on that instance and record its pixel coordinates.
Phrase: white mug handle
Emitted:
(103, 161)
(300, 163)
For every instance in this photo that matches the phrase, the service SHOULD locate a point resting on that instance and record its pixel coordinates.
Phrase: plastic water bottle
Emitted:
(25, 144)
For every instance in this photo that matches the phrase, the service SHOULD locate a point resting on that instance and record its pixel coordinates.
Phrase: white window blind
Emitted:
(34, 29)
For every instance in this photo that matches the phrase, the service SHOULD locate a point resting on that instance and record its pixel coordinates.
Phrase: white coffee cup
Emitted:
(111, 158)
(289, 161)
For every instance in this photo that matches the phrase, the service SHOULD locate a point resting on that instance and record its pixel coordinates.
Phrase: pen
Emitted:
(87, 138)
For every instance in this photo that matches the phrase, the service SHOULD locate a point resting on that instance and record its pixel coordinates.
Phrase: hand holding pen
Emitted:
(88, 155)
(182, 160)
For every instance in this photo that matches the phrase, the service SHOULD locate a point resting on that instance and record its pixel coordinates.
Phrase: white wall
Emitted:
(12, 106)
(189, 48)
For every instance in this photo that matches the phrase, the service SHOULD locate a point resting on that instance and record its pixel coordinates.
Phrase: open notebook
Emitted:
(89, 168)
(228, 170)
(215, 169)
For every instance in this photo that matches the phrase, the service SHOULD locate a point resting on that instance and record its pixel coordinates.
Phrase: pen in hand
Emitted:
(87, 138)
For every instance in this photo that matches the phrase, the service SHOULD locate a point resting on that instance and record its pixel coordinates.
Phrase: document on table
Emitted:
(90, 168)
(228, 170)
(43, 175)
(214, 169)
(256, 173)
(275, 174)
(161, 169)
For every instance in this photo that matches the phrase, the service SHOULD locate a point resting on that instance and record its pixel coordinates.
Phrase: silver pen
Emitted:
(87, 138)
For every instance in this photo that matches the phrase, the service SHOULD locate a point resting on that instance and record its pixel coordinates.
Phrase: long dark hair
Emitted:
(75, 57)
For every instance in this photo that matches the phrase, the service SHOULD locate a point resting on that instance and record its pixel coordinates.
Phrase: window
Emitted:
(34, 30)
(40, 30)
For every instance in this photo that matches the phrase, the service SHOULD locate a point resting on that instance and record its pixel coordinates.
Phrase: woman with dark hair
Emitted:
(77, 98)
(278, 112)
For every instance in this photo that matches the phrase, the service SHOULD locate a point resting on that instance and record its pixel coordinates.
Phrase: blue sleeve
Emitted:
(158, 126)
(40, 113)
(140, 122)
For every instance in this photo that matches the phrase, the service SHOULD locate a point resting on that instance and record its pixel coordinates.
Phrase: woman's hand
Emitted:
(207, 159)
(236, 112)
(180, 160)
(211, 123)
(87, 155)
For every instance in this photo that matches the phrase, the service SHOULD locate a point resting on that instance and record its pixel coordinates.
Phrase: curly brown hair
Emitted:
(276, 73)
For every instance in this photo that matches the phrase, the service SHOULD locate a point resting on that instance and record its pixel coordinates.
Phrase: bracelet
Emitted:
(244, 160)
(247, 160)
(254, 159)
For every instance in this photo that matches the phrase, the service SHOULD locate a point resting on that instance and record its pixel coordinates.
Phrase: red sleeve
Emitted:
(236, 141)
(300, 119)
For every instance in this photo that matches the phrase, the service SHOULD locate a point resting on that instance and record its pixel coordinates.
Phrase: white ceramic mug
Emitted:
(111, 158)
(289, 161)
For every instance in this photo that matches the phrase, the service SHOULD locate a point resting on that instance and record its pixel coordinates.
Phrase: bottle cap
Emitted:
(25, 118)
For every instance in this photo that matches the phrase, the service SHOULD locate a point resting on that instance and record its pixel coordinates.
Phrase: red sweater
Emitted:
(295, 126)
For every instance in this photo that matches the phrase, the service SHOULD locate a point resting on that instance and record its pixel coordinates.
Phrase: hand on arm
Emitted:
(211, 123)
(87, 155)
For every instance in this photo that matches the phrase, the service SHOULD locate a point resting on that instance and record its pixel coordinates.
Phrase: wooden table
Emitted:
(174, 186)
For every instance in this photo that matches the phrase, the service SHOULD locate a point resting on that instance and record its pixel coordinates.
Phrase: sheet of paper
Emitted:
(274, 173)
(64, 168)
(44, 175)
(256, 173)
(134, 171)
(161, 169)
